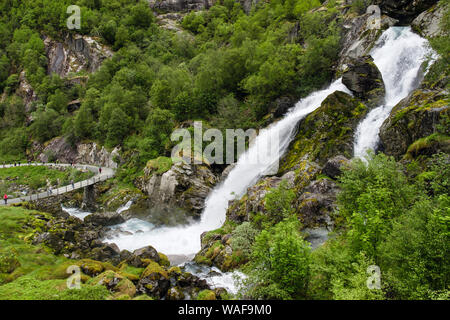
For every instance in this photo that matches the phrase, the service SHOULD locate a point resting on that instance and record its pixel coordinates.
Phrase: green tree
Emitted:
(416, 255)
(117, 127)
(280, 263)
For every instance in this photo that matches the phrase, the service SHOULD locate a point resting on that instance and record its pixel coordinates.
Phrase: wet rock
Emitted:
(359, 37)
(182, 188)
(147, 252)
(327, 132)
(364, 79)
(334, 165)
(104, 218)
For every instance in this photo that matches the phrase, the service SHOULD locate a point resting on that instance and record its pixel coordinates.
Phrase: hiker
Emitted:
(5, 197)
(73, 185)
(100, 170)
(50, 191)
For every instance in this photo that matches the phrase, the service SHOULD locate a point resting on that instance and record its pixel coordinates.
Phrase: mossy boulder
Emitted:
(422, 114)
(8, 262)
(326, 132)
(175, 293)
(115, 282)
(163, 260)
(91, 267)
(154, 281)
(206, 295)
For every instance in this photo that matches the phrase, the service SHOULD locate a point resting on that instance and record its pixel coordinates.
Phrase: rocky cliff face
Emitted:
(364, 79)
(359, 37)
(404, 10)
(180, 5)
(74, 54)
(427, 24)
(183, 187)
(85, 153)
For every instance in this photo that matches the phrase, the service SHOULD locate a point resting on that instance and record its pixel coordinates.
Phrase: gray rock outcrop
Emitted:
(364, 79)
(74, 54)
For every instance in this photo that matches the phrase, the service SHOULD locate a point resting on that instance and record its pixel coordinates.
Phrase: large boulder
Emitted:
(177, 189)
(104, 218)
(364, 79)
(154, 281)
(317, 203)
(416, 117)
(333, 167)
(147, 252)
(327, 132)
(404, 10)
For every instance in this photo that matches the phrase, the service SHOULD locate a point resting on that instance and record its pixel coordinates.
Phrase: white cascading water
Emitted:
(398, 54)
(185, 241)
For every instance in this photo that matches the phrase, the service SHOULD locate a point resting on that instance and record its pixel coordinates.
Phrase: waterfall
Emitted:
(398, 54)
(186, 240)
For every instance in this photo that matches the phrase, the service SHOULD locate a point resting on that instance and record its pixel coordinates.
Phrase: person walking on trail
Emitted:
(73, 185)
(50, 191)
(5, 197)
(100, 170)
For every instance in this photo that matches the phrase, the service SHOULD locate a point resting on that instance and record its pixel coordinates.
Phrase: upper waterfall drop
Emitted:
(399, 55)
(186, 240)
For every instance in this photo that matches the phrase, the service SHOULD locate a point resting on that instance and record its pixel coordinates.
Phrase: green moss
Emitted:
(30, 288)
(154, 271)
(174, 271)
(326, 132)
(206, 295)
(428, 145)
(200, 259)
(159, 165)
(164, 261)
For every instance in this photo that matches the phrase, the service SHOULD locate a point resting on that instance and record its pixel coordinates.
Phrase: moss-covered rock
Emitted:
(163, 260)
(420, 115)
(206, 295)
(326, 132)
(154, 280)
(175, 293)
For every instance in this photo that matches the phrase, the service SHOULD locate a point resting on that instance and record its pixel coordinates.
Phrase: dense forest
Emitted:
(230, 67)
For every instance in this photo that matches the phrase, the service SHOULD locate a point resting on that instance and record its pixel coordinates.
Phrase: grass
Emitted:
(36, 273)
